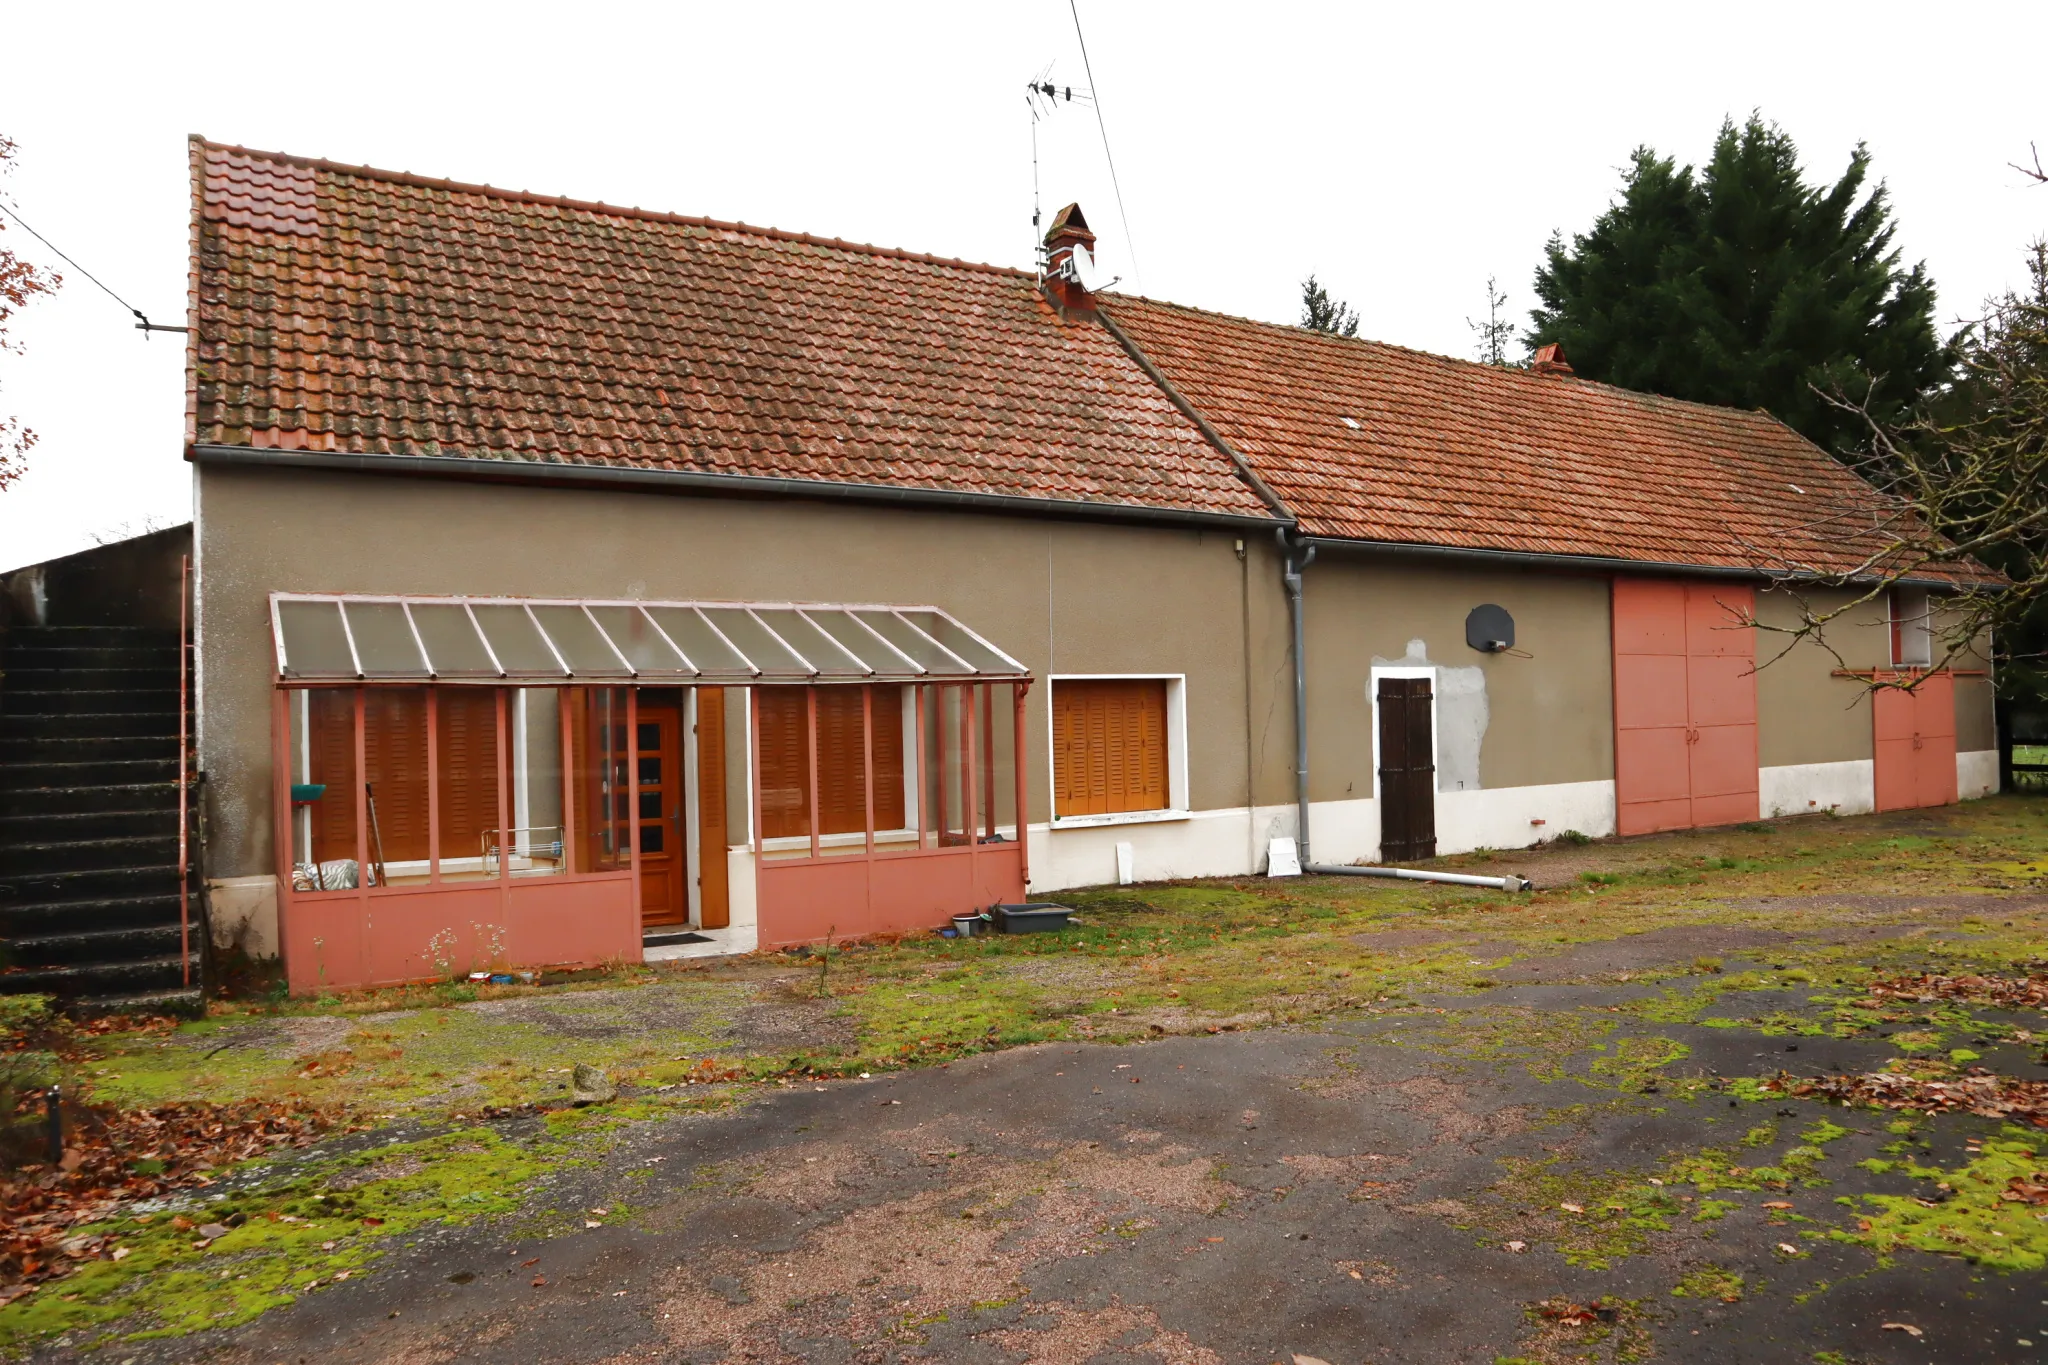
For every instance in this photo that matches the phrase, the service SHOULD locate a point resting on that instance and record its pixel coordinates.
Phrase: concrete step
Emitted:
(34, 749)
(90, 725)
(88, 855)
(96, 884)
(80, 947)
(99, 979)
(68, 701)
(88, 799)
(185, 1003)
(25, 779)
(37, 919)
(55, 827)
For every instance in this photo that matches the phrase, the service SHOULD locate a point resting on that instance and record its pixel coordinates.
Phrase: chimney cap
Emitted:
(1549, 359)
(1069, 225)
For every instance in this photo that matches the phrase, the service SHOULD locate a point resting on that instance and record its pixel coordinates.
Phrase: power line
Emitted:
(143, 324)
(1130, 242)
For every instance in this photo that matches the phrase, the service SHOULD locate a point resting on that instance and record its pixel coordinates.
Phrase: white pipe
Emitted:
(1410, 875)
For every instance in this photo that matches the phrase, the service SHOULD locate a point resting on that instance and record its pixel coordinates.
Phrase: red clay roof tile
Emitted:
(1367, 441)
(354, 310)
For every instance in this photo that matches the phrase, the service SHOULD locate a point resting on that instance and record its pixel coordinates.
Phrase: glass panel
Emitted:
(454, 650)
(466, 777)
(650, 834)
(581, 644)
(537, 783)
(395, 783)
(597, 763)
(639, 641)
(860, 642)
(785, 775)
(751, 638)
(949, 633)
(314, 643)
(384, 644)
(942, 772)
(997, 753)
(518, 645)
(323, 789)
(694, 636)
(917, 646)
(827, 655)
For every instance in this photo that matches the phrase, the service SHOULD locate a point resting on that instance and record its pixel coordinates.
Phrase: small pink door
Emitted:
(1915, 744)
(1684, 705)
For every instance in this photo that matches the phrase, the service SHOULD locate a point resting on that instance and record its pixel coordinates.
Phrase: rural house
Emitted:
(573, 583)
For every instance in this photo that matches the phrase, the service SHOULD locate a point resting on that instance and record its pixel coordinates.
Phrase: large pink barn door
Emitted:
(1684, 705)
(1916, 744)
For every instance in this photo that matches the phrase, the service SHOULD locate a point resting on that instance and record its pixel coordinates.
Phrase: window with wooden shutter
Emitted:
(395, 766)
(1109, 746)
(466, 733)
(842, 763)
(331, 763)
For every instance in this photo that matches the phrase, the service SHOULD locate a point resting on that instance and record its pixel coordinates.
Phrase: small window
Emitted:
(1912, 633)
(1109, 743)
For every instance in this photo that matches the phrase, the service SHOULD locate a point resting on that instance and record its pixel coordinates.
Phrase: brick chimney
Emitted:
(1068, 235)
(1550, 360)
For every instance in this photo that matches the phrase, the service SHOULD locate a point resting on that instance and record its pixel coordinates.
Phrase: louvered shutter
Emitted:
(331, 746)
(467, 730)
(395, 766)
(1109, 746)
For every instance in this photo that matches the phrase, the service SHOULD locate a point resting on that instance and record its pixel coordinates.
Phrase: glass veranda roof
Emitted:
(343, 637)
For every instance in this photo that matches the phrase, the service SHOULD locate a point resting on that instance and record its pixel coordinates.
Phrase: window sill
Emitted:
(1122, 817)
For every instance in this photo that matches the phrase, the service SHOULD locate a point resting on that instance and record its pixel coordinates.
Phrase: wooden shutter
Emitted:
(714, 898)
(1109, 745)
(785, 776)
(1407, 771)
(466, 729)
(842, 800)
(395, 766)
(331, 745)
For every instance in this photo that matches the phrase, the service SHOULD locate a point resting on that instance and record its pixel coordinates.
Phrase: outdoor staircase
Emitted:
(89, 858)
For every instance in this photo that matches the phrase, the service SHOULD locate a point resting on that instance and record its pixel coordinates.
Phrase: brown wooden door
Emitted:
(714, 899)
(1407, 771)
(663, 899)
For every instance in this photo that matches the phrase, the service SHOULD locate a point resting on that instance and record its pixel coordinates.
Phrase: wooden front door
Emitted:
(1407, 771)
(1685, 747)
(1915, 748)
(663, 897)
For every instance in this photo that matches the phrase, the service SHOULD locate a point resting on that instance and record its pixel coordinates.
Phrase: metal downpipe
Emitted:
(1295, 557)
(1410, 875)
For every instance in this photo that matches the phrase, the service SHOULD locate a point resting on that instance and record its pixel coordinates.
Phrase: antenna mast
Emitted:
(1043, 97)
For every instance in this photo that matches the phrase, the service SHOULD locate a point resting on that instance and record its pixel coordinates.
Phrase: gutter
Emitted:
(496, 470)
(1295, 556)
(1603, 564)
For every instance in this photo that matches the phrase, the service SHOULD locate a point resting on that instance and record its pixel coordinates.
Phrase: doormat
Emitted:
(671, 940)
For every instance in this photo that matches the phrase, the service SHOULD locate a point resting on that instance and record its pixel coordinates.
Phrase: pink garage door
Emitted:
(1916, 744)
(1684, 705)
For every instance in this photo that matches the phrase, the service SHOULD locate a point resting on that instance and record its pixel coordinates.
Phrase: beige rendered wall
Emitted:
(1550, 717)
(1805, 714)
(1063, 596)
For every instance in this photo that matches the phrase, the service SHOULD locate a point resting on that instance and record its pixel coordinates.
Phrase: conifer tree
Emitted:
(1741, 285)
(1321, 313)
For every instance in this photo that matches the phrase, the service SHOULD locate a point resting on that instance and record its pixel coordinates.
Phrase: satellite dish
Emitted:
(1490, 630)
(1085, 273)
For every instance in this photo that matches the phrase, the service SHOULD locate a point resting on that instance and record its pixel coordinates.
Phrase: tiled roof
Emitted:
(351, 310)
(1373, 442)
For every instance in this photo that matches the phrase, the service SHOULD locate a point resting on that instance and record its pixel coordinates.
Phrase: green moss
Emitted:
(297, 1235)
(1710, 1282)
(1963, 1214)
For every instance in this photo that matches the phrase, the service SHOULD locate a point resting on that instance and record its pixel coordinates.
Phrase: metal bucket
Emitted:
(966, 926)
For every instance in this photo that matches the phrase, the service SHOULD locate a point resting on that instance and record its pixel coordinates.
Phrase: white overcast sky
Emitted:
(1401, 152)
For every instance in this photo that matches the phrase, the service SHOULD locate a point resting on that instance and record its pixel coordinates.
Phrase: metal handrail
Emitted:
(184, 768)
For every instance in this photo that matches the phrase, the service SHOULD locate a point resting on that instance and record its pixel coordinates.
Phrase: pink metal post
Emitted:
(1018, 691)
(811, 745)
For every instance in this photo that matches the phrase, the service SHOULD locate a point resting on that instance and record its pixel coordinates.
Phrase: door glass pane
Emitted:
(454, 649)
(315, 646)
(466, 761)
(323, 790)
(384, 644)
(395, 783)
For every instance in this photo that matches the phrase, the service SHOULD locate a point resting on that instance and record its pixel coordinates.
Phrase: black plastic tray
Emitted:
(1032, 917)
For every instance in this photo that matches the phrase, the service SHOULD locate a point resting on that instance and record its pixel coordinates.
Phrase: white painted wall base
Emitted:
(1232, 842)
(1847, 788)
(244, 910)
(741, 902)
(1976, 774)
(1505, 817)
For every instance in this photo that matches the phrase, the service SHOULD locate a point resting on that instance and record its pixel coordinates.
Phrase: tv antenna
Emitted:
(1044, 97)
